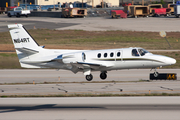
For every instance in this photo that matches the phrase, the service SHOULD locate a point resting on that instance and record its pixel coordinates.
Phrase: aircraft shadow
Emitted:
(5, 109)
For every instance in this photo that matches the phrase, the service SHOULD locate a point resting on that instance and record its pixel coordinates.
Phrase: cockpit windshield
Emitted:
(142, 52)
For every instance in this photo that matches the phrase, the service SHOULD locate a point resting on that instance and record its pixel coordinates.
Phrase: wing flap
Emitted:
(87, 65)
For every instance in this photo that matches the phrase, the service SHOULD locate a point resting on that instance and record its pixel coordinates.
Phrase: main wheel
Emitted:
(103, 75)
(167, 15)
(89, 77)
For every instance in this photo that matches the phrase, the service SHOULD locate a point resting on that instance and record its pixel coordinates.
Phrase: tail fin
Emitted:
(21, 38)
(26, 47)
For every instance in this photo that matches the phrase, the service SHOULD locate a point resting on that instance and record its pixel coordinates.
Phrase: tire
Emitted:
(9, 15)
(18, 15)
(103, 75)
(156, 15)
(89, 77)
(26, 15)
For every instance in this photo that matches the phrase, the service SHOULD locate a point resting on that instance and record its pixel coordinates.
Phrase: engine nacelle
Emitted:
(73, 57)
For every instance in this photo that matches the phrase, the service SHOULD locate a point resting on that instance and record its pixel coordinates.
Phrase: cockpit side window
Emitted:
(142, 52)
(83, 56)
(135, 52)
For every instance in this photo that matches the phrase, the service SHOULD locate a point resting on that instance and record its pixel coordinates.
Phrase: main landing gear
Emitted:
(89, 77)
(103, 76)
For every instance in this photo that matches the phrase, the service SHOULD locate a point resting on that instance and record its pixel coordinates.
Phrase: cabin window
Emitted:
(142, 52)
(118, 54)
(99, 55)
(135, 52)
(112, 54)
(105, 54)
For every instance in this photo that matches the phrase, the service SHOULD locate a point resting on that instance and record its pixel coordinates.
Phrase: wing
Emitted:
(77, 66)
(83, 65)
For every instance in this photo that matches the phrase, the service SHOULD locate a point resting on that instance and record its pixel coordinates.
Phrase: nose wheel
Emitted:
(89, 77)
(155, 73)
(103, 75)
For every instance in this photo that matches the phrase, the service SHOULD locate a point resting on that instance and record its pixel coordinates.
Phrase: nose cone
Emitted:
(170, 61)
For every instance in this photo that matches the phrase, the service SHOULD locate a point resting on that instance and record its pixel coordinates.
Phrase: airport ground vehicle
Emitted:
(74, 12)
(118, 13)
(161, 11)
(137, 10)
(18, 12)
(3, 10)
(154, 6)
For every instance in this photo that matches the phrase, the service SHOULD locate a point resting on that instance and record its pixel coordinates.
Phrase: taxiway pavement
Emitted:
(65, 82)
(90, 108)
(155, 24)
(52, 75)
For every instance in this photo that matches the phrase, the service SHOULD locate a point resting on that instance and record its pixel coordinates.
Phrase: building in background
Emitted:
(89, 2)
(15, 2)
(93, 3)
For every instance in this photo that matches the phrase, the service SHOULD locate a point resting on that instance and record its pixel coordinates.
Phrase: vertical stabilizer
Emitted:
(21, 38)
(26, 47)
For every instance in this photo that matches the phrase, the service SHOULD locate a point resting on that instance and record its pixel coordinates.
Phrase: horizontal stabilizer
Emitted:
(27, 50)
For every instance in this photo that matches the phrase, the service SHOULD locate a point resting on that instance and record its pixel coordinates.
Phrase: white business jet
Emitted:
(31, 55)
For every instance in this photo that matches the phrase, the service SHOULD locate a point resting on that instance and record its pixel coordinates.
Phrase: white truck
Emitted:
(18, 12)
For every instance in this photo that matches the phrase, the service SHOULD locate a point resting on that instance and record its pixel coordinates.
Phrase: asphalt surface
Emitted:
(33, 24)
(52, 75)
(92, 88)
(65, 82)
(99, 108)
(156, 24)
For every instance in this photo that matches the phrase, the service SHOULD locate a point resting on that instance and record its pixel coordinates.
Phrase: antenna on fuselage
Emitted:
(163, 34)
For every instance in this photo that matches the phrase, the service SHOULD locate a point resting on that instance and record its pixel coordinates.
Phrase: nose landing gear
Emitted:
(155, 73)
(162, 76)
